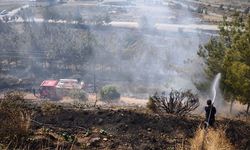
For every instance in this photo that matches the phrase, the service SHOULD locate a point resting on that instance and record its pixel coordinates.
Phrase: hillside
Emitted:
(55, 127)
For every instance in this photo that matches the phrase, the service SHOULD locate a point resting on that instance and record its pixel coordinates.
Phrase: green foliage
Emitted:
(68, 137)
(203, 86)
(213, 53)
(230, 55)
(201, 10)
(79, 95)
(109, 92)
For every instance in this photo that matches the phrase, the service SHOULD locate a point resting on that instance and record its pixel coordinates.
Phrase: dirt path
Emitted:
(124, 101)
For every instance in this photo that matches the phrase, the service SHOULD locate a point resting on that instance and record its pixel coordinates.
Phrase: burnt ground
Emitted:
(124, 129)
(120, 129)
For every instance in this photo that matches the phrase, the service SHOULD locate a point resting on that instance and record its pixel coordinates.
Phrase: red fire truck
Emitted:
(55, 90)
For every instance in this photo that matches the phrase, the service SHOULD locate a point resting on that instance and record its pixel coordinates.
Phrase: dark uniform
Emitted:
(210, 114)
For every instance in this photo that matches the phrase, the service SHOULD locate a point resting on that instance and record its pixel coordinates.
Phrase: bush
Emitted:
(151, 105)
(14, 115)
(78, 95)
(176, 102)
(14, 97)
(203, 86)
(49, 108)
(109, 93)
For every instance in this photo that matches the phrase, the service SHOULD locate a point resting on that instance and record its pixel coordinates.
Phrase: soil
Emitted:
(125, 124)
(120, 128)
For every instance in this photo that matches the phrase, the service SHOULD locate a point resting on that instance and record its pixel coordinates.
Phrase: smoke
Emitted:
(156, 60)
(146, 47)
(139, 60)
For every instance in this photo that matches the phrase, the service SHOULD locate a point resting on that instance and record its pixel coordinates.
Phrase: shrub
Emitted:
(176, 102)
(49, 108)
(203, 86)
(78, 95)
(14, 115)
(14, 97)
(151, 105)
(109, 93)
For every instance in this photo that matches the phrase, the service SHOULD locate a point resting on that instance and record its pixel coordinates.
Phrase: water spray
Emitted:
(214, 87)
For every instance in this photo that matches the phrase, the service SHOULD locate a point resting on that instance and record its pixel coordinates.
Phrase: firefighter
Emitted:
(210, 114)
(34, 91)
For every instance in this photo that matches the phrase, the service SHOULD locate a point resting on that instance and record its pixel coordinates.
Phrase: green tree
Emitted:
(109, 93)
(237, 65)
(213, 53)
(230, 54)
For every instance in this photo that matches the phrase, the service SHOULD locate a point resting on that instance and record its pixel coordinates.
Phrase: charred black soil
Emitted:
(93, 128)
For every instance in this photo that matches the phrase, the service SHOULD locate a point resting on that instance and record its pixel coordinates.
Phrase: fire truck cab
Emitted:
(48, 89)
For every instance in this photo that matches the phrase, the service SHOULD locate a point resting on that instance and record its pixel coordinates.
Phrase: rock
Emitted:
(105, 139)
(103, 132)
(93, 141)
(100, 121)
(110, 135)
(88, 144)
(87, 133)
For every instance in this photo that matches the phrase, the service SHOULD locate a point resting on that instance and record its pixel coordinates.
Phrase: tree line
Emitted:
(43, 46)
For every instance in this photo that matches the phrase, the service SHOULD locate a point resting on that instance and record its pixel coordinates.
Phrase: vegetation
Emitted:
(15, 117)
(51, 127)
(47, 50)
(75, 43)
(177, 102)
(109, 93)
(151, 105)
(44, 50)
(230, 55)
(79, 95)
(211, 139)
(50, 108)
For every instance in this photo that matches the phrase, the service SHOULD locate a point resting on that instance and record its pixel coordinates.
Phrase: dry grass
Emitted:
(151, 105)
(50, 108)
(15, 118)
(210, 139)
